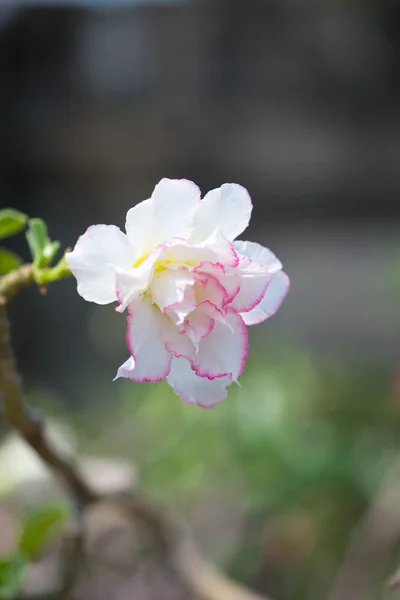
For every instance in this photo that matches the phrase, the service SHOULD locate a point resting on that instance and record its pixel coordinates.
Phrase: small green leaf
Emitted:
(12, 572)
(43, 250)
(11, 222)
(51, 250)
(40, 526)
(8, 261)
(38, 240)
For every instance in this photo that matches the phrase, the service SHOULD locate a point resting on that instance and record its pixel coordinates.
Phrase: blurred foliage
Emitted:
(11, 222)
(40, 526)
(8, 261)
(12, 570)
(298, 451)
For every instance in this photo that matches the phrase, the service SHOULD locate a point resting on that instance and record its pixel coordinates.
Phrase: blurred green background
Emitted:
(299, 102)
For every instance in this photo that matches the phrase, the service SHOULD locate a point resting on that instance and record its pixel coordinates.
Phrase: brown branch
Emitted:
(181, 553)
(14, 282)
(12, 396)
(371, 543)
(207, 582)
(74, 548)
(31, 429)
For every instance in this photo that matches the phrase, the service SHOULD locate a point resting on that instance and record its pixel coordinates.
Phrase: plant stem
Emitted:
(27, 275)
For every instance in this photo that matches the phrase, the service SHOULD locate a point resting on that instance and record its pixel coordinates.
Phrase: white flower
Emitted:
(190, 290)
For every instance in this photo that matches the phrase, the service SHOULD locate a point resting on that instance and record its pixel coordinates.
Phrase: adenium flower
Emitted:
(189, 289)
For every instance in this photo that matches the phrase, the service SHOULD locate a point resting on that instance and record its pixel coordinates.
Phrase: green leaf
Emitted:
(38, 239)
(11, 222)
(43, 250)
(40, 526)
(8, 261)
(12, 572)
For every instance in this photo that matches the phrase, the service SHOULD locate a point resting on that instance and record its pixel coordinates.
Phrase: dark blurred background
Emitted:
(298, 101)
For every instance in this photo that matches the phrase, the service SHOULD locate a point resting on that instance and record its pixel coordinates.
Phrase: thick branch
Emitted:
(181, 552)
(27, 426)
(12, 283)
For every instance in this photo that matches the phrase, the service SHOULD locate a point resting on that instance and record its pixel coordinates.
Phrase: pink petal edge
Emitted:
(276, 306)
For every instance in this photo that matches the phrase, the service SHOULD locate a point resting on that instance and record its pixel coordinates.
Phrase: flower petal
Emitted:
(252, 289)
(168, 287)
(141, 227)
(224, 350)
(94, 260)
(194, 389)
(215, 249)
(145, 340)
(167, 214)
(273, 298)
(211, 290)
(133, 282)
(258, 254)
(178, 342)
(256, 267)
(175, 202)
(227, 209)
(198, 325)
(178, 312)
(229, 280)
(126, 369)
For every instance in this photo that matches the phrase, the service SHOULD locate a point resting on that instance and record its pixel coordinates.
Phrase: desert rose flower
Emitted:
(189, 289)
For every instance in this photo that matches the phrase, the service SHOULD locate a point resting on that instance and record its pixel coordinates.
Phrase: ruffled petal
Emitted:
(273, 298)
(211, 290)
(228, 280)
(224, 350)
(258, 254)
(252, 290)
(178, 312)
(178, 342)
(169, 286)
(255, 270)
(145, 340)
(198, 325)
(227, 209)
(216, 249)
(94, 260)
(194, 389)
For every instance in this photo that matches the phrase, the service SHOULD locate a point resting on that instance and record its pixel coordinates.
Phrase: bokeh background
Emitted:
(298, 101)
